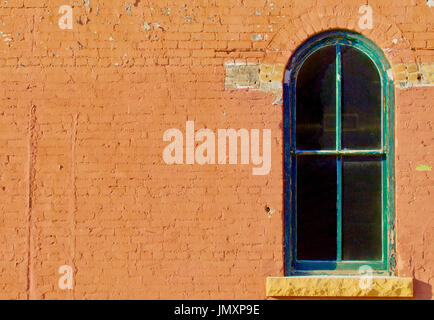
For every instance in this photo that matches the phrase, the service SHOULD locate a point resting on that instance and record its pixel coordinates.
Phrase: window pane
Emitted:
(361, 101)
(316, 101)
(361, 208)
(316, 208)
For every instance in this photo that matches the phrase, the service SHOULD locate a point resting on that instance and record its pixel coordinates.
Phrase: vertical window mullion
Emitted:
(338, 97)
(338, 148)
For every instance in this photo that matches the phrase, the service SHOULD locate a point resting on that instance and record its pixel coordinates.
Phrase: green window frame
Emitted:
(293, 265)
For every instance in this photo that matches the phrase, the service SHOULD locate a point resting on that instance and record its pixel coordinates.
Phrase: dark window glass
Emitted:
(316, 101)
(361, 208)
(361, 101)
(316, 208)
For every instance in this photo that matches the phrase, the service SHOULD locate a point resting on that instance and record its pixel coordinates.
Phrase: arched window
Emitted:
(338, 156)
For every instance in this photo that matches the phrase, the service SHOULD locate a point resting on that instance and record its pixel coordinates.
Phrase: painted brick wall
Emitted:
(82, 116)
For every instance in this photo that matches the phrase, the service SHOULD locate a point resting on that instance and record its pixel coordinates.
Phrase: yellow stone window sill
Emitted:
(339, 286)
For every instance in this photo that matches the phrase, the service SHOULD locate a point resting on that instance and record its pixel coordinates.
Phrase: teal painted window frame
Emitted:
(339, 38)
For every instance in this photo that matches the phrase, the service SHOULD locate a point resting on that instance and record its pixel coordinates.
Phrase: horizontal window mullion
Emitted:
(339, 152)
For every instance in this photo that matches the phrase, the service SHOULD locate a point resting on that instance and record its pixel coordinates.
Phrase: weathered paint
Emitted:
(423, 167)
(413, 74)
(263, 77)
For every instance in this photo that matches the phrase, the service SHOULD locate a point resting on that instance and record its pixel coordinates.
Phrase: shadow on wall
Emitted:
(422, 290)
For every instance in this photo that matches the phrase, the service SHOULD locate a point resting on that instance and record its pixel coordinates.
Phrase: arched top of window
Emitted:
(342, 38)
(339, 72)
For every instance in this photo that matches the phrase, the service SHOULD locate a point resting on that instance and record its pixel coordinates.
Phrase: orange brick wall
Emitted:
(82, 116)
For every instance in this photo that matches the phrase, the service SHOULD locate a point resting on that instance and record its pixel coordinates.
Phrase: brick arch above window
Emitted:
(385, 33)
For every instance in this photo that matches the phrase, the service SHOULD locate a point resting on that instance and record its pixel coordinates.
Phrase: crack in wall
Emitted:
(73, 205)
(32, 145)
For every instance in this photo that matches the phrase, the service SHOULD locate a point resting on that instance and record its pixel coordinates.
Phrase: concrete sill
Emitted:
(338, 286)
